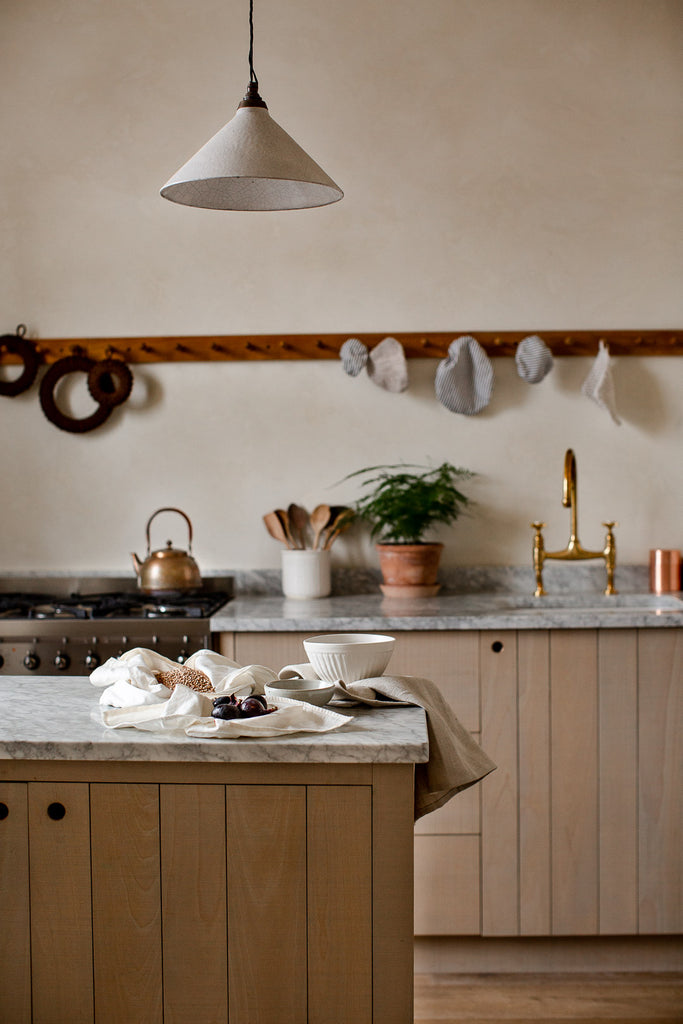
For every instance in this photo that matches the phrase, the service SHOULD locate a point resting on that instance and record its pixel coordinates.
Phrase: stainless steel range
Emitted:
(69, 626)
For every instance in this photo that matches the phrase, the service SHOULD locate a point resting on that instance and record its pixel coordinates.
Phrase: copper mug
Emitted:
(665, 571)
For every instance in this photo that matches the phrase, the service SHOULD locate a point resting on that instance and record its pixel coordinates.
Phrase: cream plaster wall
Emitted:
(508, 164)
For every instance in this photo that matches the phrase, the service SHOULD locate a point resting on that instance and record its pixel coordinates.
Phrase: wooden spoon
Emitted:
(284, 520)
(320, 517)
(275, 528)
(298, 522)
(340, 521)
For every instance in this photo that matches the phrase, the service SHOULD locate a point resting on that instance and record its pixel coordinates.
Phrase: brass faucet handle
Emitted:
(537, 526)
(610, 524)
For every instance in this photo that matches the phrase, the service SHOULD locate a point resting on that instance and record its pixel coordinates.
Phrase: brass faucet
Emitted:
(573, 551)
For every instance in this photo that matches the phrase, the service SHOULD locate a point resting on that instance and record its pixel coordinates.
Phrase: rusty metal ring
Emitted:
(110, 382)
(69, 364)
(20, 346)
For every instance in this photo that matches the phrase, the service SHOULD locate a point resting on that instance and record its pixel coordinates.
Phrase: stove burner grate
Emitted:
(122, 605)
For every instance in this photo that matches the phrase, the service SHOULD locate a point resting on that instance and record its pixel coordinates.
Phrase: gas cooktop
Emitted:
(66, 625)
(194, 604)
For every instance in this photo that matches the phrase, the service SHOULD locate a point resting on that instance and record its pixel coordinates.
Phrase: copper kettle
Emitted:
(168, 569)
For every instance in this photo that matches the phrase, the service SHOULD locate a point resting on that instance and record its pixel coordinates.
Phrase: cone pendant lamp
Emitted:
(251, 164)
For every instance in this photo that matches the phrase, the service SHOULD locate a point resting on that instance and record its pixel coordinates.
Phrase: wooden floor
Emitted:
(549, 998)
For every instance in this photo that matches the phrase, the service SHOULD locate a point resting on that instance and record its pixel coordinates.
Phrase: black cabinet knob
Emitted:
(56, 811)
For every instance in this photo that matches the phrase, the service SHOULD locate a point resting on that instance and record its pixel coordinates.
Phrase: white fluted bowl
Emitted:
(349, 656)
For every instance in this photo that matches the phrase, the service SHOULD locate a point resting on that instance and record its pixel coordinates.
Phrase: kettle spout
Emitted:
(137, 564)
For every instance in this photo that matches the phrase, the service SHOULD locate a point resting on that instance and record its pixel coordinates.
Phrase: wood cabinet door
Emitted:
(61, 922)
(193, 896)
(15, 921)
(581, 822)
(660, 772)
(340, 918)
(267, 903)
(126, 900)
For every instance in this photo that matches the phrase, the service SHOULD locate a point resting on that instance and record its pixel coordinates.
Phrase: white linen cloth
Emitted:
(455, 762)
(387, 366)
(599, 384)
(133, 697)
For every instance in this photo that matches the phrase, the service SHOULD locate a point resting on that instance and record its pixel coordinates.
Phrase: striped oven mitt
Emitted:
(533, 359)
(464, 380)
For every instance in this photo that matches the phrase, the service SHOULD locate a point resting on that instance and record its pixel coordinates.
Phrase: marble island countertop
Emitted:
(59, 719)
(266, 613)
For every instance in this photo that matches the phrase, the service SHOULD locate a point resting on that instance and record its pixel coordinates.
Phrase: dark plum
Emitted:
(226, 712)
(251, 708)
(225, 699)
(261, 698)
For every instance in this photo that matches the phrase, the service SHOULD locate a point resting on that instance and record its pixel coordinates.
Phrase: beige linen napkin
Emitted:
(455, 762)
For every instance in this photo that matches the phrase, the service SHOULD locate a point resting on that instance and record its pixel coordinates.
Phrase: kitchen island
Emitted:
(148, 877)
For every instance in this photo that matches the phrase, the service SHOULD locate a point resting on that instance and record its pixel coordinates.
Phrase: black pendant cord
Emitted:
(252, 98)
(252, 74)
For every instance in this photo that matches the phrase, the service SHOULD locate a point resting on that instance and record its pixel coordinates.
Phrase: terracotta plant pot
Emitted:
(409, 570)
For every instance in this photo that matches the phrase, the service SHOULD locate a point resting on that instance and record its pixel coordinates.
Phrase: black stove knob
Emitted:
(31, 661)
(92, 660)
(62, 661)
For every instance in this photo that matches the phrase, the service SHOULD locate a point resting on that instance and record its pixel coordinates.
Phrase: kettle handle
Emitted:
(180, 513)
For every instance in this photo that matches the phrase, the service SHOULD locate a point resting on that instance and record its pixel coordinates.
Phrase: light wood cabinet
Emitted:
(206, 892)
(581, 823)
(578, 831)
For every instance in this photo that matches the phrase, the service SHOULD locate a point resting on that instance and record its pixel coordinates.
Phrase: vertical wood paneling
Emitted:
(574, 780)
(61, 927)
(274, 650)
(195, 955)
(460, 816)
(266, 870)
(339, 905)
(618, 754)
(392, 893)
(533, 657)
(660, 714)
(447, 885)
(15, 921)
(451, 660)
(499, 790)
(126, 903)
(226, 645)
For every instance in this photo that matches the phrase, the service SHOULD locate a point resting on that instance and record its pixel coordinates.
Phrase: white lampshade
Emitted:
(251, 164)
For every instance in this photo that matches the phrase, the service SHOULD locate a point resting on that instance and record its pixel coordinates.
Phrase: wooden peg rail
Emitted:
(417, 345)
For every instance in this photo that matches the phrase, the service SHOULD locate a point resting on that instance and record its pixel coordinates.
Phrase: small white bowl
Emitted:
(312, 691)
(349, 656)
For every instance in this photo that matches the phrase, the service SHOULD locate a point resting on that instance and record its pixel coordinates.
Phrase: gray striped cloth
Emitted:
(354, 356)
(464, 380)
(533, 359)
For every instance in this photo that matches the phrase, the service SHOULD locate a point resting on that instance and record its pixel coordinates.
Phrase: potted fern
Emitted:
(400, 504)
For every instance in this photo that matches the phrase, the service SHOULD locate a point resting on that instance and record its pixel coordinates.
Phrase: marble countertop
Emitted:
(59, 719)
(484, 611)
